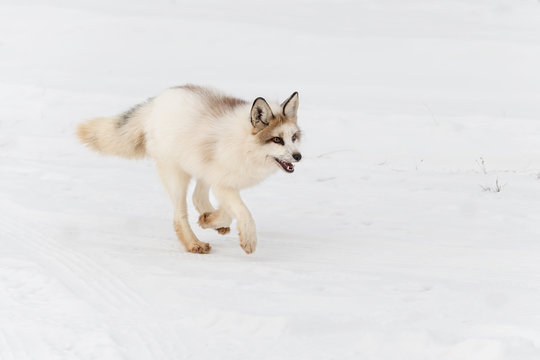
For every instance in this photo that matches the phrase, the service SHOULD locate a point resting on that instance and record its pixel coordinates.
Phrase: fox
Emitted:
(224, 143)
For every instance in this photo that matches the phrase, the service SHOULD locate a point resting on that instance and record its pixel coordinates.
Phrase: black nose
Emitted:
(297, 156)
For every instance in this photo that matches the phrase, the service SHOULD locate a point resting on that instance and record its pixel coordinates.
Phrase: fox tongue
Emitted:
(287, 166)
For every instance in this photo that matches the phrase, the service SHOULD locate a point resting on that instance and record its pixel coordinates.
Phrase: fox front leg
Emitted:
(230, 199)
(210, 218)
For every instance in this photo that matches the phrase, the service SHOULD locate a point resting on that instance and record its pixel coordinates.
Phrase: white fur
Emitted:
(178, 127)
(189, 139)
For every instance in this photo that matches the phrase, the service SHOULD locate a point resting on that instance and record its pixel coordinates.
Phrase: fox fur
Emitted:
(226, 144)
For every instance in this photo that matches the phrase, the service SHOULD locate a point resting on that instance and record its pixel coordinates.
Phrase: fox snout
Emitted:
(297, 156)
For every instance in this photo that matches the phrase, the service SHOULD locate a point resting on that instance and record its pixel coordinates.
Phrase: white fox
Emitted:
(225, 143)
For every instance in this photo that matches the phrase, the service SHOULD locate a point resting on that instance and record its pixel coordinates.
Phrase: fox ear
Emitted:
(290, 106)
(260, 114)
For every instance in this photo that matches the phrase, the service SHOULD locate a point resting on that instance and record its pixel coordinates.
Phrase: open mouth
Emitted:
(287, 166)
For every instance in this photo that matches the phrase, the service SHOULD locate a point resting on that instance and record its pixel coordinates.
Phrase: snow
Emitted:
(382, 244)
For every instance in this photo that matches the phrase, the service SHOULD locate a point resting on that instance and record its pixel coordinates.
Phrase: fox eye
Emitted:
(294, 138)
(278, 140)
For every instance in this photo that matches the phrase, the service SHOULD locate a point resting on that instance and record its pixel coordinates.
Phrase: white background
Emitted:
(386, 242)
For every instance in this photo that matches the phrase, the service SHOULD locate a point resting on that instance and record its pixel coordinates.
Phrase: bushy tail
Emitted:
(121, 135)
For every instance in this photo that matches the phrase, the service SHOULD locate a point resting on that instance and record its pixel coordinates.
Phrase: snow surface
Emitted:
(386, 242)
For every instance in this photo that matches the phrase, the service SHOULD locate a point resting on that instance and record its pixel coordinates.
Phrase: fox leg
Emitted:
(232, 202)
(210, 218)
(200, 198)
(176, 182)
(219, 220)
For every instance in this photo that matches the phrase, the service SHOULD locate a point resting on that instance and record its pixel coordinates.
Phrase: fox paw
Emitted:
(212, 220)
(223, 230)
(248, 243)
(205, 220)
(200, 248)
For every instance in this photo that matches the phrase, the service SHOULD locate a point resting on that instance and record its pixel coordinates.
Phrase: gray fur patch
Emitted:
(127, 115)
(218, 103)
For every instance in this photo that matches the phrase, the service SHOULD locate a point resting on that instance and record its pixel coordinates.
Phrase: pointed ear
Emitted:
(290, 106)
(260, 114)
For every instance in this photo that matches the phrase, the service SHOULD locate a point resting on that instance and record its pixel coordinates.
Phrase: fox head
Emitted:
(277, 132)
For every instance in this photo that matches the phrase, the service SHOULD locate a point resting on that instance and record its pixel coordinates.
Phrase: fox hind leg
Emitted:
(176, 182)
